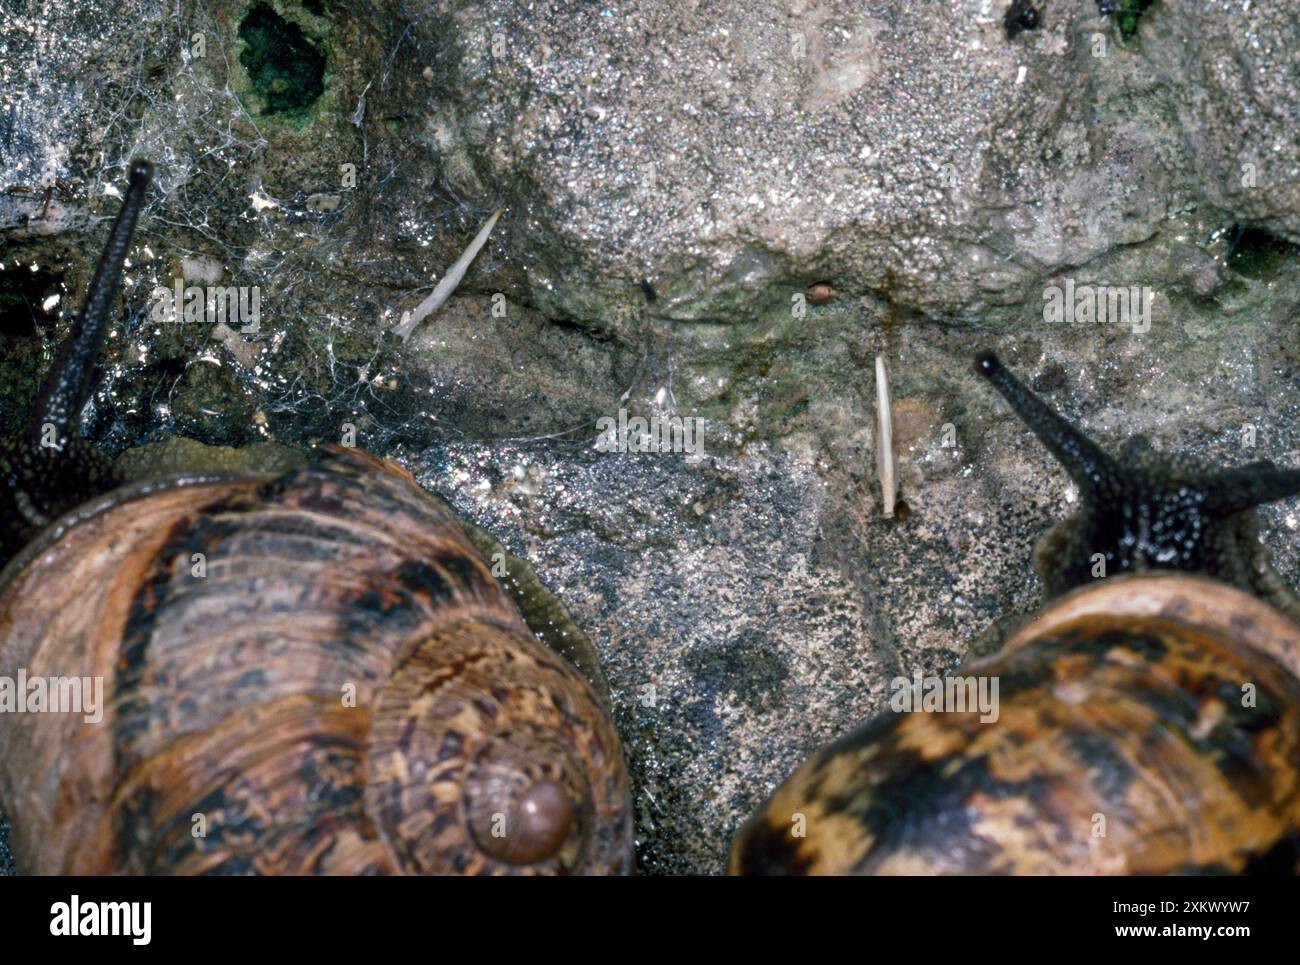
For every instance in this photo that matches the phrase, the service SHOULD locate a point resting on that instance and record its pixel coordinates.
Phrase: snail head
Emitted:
(1144, 510)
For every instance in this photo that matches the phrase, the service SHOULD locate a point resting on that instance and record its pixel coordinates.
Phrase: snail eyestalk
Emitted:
(48, 467)
(1248, 486)
(69, 384)
(1092, 469)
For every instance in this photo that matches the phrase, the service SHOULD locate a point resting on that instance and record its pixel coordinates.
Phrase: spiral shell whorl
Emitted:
(474, 759)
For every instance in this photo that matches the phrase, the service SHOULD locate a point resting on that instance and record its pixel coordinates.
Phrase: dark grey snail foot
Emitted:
(1064, 541)
(179, 455)
(991, 639)
(1267, 583)
(1060, 542)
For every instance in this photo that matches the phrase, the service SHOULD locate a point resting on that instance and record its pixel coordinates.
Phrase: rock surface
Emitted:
(674, 179)
(907, 149)
(1235, 75)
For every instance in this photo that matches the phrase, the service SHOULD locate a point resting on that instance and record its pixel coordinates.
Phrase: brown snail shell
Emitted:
(345, 689)
(1148, 723)
(1122, 702)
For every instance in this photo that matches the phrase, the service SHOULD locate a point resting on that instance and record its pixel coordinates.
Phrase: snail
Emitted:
(1145, 723)
(312, 672)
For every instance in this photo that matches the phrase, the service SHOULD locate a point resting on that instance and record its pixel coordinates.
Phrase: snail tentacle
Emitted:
(69, 383)
(47, 467)
(1233, 490)
(1082, 458)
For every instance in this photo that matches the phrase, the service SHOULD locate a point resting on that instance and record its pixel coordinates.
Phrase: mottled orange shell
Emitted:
(346, 690)
(1123, 745)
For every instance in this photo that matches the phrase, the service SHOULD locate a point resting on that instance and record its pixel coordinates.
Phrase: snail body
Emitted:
(313, 672)
(1147, 723)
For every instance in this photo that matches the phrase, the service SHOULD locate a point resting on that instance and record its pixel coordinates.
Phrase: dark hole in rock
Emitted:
(1257, 254)
(22, 294)
(286, 70)
(1021, 15)
(1126, 13)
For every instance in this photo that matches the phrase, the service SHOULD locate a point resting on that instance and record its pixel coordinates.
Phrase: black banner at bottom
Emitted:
(335, 916)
